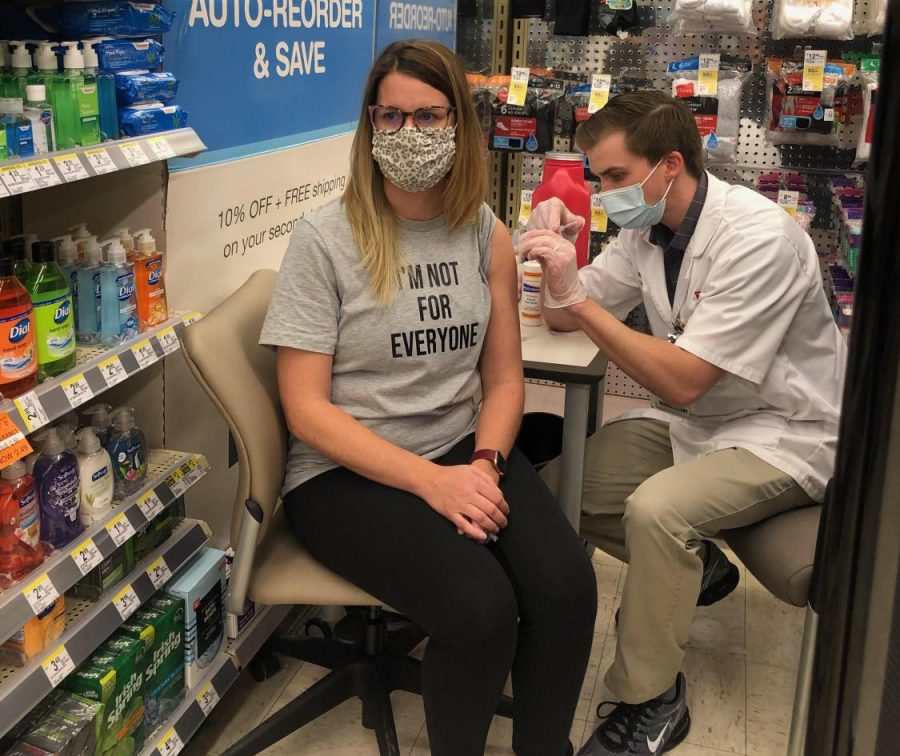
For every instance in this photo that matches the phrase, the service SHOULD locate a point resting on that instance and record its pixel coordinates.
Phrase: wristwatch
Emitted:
(494, 457)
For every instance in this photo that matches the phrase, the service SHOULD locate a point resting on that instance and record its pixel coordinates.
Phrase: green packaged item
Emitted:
(161, 629)
(156, 532)
(106, 574)
(80, 710)
(114, 676)
(62, 737)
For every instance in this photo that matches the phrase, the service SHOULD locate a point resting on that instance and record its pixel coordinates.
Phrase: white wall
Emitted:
(208, 259)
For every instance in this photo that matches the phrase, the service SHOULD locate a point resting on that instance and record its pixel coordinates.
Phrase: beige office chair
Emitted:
(781, 553)
(270, 567)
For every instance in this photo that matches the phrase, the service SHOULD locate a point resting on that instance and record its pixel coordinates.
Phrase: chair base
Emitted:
(370, 671)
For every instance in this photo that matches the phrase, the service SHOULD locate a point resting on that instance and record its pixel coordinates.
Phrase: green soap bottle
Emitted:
(15, 79)
(16, 249)
(53, 316)
(83, 88)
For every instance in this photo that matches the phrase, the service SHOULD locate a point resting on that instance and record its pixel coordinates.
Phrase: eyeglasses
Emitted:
(389, 118)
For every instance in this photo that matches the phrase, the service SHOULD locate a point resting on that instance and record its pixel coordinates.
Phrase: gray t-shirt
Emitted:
(408, 371)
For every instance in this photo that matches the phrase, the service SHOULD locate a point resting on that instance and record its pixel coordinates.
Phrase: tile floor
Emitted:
(741, 665)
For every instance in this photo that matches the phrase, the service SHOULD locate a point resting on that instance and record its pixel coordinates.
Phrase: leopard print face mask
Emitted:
(414, 159)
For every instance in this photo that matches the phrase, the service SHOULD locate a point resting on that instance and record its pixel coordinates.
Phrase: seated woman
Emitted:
(400, 372)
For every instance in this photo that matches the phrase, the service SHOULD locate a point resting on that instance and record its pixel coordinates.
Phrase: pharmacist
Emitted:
(746, 366)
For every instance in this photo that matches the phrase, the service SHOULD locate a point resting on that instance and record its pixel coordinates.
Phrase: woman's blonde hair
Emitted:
(371, 217)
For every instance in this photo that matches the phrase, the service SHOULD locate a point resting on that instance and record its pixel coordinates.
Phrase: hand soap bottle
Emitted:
(96, 477)
(118, 306)
(150, 281)
(20, 524)
(56, 477)
(52, 299)
(128, 450)
(88, 309)
(101, 424)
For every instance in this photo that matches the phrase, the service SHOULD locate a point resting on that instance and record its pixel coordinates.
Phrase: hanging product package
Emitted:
(574, 108)
(869, 68)
(806, 111)
(711, 87)
(120, 19)
(618, 18)
(712, 16)
(571, 17)
(123, 55)
(827, 19)
(529, 127)
(482, 97)
(135, 87)
(151, 118)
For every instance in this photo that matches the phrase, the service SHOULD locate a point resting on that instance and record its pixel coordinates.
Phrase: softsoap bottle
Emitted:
(564, 178)
(56, 477)
(128, 450)
(96, 476)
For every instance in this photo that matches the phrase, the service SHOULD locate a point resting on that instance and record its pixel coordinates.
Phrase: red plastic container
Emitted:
(564, 178)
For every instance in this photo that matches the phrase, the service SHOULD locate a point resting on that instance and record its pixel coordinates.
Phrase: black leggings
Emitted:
(526, 603)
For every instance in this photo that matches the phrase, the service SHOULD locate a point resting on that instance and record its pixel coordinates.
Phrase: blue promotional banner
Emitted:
(407, 19)
(260, 75)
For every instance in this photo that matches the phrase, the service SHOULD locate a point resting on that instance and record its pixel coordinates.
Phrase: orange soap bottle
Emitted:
(150, 280)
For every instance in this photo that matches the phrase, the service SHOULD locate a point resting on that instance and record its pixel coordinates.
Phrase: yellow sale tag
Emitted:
(708, 75)
(600, 86)
(518, 86)
(814, 70)
(599, 218)
(525, 207)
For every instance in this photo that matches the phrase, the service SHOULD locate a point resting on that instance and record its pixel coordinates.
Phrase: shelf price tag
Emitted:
(161, 148)
(40, 594)
(100, 161)
(599, 218)
(789, 201)
(86, 556)
(43, 174)
(207, 698)
(150, 505)
(113, 371)
(71, 168)
(32, 411)
(190, 318)
(525, 207)
(518, 85)
(159, 572)
(134, 154)
(58, 665)
(144, 353)
(177, 484)
(120, 529)
(814, 70)
(13, 445)
(170, 744)
(168, 340)
(18, 179)
(77, 390)
(4, 192)
(708, 75)
(600, 86)
(126, 602)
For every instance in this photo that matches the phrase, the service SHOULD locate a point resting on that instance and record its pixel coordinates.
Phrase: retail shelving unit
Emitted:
(90, 623)
(97, 369)
(23, 175)
(170, 474)
(171, 736)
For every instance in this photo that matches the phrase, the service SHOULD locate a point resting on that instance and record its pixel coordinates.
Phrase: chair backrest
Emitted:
(222, 351)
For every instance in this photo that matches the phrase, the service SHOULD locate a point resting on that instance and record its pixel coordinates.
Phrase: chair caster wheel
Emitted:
(263, 666)
(318, 628)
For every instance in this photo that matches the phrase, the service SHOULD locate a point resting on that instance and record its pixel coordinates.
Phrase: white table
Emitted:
(575, 361)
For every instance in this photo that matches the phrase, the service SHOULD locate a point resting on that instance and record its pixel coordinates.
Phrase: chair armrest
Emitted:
(244, 553)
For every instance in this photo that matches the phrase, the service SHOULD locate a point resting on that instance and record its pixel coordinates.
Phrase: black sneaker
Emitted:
(720, 577)
(646, 729)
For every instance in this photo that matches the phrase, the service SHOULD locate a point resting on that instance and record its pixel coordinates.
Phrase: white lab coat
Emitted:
(751, 300)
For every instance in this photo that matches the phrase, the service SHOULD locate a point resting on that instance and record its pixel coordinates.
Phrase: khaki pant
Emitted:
(639, 507)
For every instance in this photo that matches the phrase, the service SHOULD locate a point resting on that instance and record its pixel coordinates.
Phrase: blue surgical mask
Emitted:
(627, 208)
